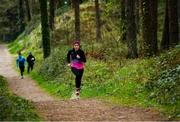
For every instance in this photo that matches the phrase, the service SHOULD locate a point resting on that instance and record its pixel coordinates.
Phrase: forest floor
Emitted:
(53, 109)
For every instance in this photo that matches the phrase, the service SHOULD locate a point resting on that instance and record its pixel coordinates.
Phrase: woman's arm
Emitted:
(69, 56)
(83, 57)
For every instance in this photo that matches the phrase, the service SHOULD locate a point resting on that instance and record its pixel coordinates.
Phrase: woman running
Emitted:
(76, 59)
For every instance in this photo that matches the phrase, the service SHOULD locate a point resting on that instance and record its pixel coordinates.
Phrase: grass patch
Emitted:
(51, 87)
(14, 108)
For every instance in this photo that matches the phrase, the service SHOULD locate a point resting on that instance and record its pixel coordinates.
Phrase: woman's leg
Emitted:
(78, 79)
(21, 70)
(32, 66)
(78, 73)
(28, 67)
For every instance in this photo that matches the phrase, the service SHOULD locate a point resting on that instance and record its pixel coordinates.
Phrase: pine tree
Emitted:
(173, 22)
(21, 16)
(149, 26)
(98, 21)
(45, 28)
(77, 18)
(123, 20)
(154, 7)
(165, 36)
(131, 29)
(28, 10)
(52, 6)
(137, 17)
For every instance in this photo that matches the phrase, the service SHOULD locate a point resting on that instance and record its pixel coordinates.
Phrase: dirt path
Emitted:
(56, 110)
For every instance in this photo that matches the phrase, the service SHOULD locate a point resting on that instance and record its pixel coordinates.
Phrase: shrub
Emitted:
(165, 88)
(54, 66)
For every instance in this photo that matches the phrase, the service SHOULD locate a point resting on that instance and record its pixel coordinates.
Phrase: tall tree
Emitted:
(21, 16)
(98, 21)
(33, 3)
(179, 16)
(123, 20)
(149, 26)
(45, 28)
(52, 6)
(165, 36)
(173, 22)
(28, 10)
(154, 11)
(77, 18)
(137, 17)
(131, 29)
(179, 10)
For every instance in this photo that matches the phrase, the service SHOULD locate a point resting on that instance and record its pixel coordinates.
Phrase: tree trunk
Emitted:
(52, 6)
(98, 21)
(123, 21)
(33, 2)
(131, 29)
(173, 23)
(149, 27)
(165, 37)
(146, 27)
(77, 19)
(179, 16)
(154, 7)
(21, 16)
(35, 9)
(45, 28)
(137, 18)
(28, 10)
(179, 9)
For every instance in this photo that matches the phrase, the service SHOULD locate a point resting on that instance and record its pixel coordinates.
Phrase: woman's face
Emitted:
(76, 47)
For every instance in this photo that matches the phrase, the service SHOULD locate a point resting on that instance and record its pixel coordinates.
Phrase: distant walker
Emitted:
(20, 62)
(30, 60)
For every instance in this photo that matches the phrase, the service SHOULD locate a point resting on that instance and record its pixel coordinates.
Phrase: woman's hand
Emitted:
(78, 57)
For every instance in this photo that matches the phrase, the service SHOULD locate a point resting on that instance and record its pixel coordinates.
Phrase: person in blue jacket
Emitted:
(20, 62)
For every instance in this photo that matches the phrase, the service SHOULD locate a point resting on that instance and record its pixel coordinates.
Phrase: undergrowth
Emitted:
(108, 74)
(14, 108)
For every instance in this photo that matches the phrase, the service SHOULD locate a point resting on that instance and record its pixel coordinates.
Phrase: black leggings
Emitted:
(30, 67)
(78, 73)
(21, 70)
